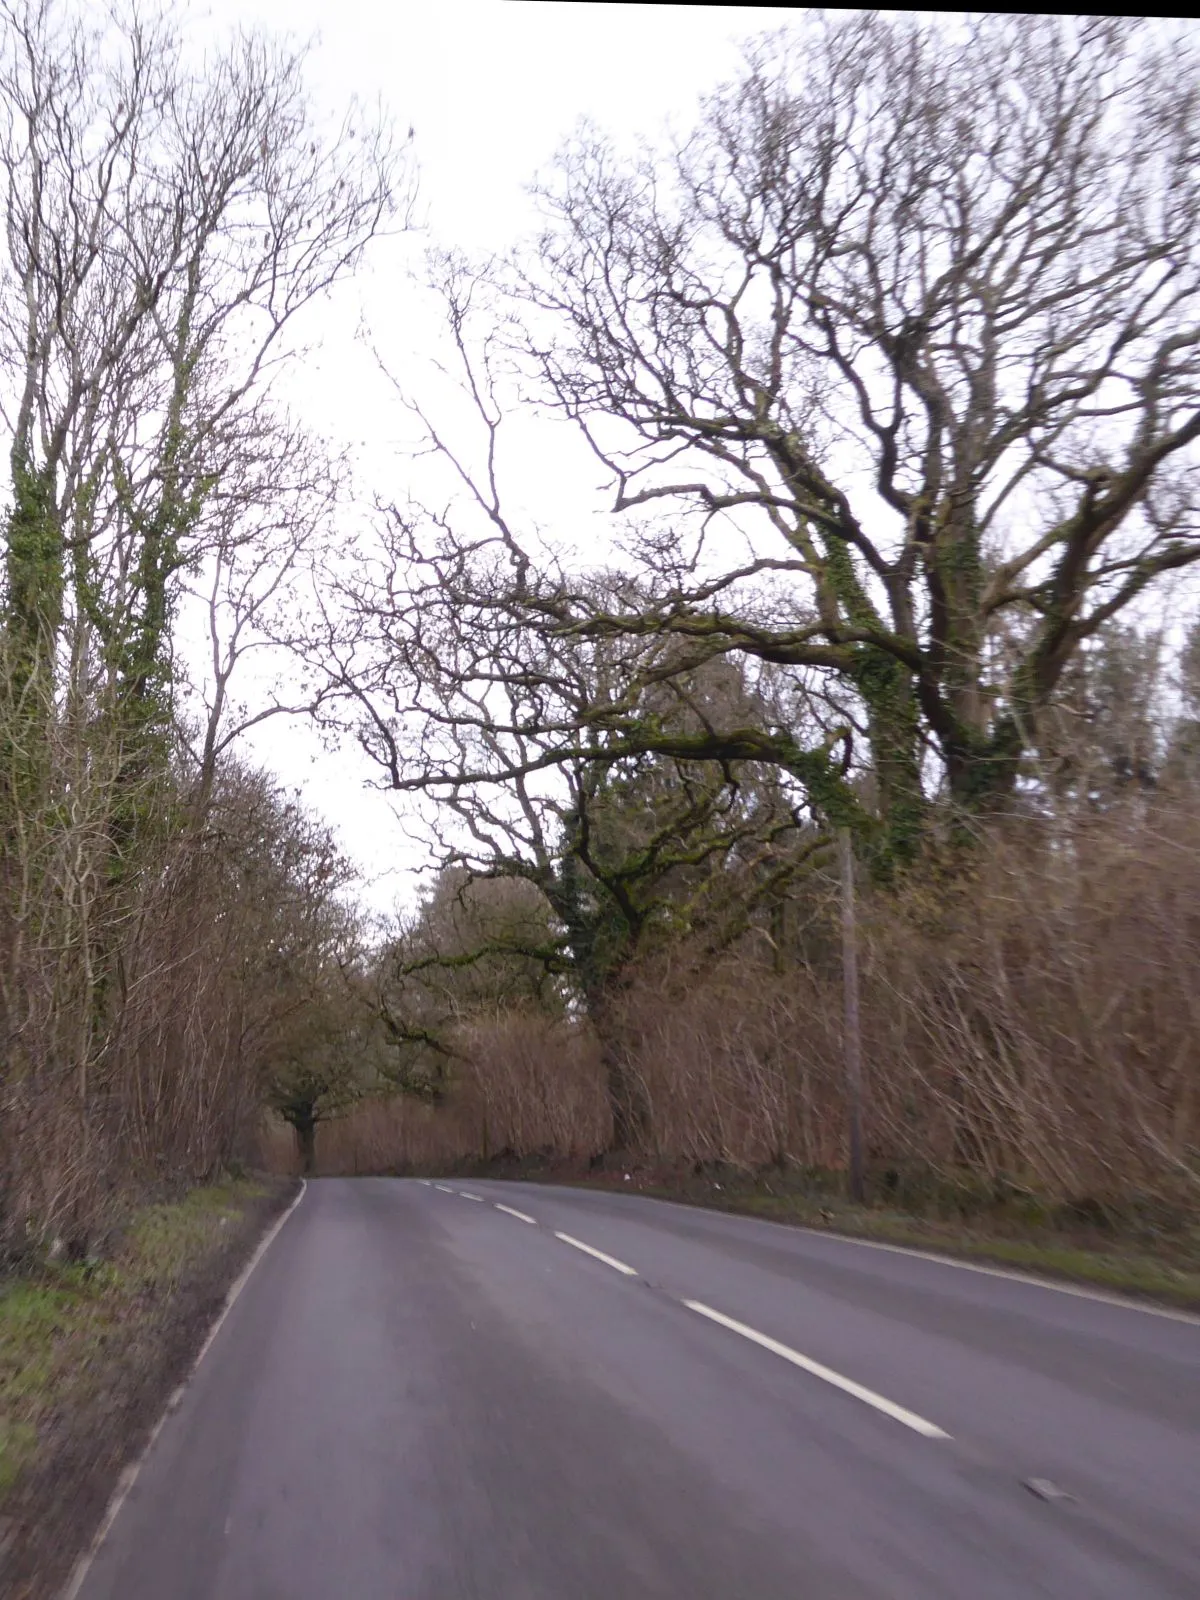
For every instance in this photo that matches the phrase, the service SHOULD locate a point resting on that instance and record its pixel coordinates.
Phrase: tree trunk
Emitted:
(306, 1139)
(628, 1104)
(894, 733)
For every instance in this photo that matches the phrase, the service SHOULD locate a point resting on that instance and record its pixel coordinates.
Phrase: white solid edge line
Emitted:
(467, 1195)
(520, 1215)
(129, 1476)
(1077, 1291)
(910, 1419)
(609, 1261)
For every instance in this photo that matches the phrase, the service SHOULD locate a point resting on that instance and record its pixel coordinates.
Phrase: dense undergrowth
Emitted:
(1029, 1038)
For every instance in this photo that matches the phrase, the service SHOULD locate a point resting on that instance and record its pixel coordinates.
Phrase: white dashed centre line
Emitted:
(847, 1385)
(609, 1261)
(520, 1215)
(443, 1188)
(467, 1196)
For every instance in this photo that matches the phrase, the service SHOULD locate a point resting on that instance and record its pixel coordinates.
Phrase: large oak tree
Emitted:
(894, 359)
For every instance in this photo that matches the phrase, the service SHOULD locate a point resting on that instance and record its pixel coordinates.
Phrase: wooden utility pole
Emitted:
(851, 1034)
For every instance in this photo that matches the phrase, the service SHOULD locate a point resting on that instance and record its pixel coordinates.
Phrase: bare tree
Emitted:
(165, 225)
(902, 342)
(529, 743)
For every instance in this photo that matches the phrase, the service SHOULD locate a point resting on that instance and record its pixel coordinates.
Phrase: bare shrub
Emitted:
(1032, 1029)
(1046, 1030)
(384, 1135)
(738, 1062)
(1038, 1027)
(537, 1083)
(138, 1021)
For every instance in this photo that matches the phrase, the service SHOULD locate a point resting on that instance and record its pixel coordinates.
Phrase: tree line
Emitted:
(165, 911)
(890, 368)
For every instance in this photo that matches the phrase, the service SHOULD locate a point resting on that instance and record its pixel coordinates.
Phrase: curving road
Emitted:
(421, 1395)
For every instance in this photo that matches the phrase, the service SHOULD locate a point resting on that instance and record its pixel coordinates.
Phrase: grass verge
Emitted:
(89, 1354)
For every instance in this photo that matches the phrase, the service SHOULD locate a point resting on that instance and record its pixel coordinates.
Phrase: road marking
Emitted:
(609, 1261)
(444, 1189)
(130, 1475)
(1046, 1489)
(1013, 1276)
(520, 1215)
(1125, 1302)
(868, 1396)
(467, 1196)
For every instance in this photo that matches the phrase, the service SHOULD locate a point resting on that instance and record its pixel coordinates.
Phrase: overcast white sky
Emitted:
(491, 88)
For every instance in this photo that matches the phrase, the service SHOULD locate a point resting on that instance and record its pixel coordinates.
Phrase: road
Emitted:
(421, 1395)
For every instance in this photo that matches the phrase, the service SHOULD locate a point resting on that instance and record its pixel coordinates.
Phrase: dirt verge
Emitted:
(89, 1355)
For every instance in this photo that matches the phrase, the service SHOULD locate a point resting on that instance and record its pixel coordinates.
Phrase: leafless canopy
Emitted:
(894, 366)
(166, 219)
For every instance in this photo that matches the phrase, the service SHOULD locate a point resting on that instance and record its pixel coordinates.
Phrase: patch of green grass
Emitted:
(40, 1320)
(17, 1443)
(55, 1321)
(161, 1240)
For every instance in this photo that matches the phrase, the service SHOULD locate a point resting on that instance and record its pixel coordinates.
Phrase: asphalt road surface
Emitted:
(421, 1395)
